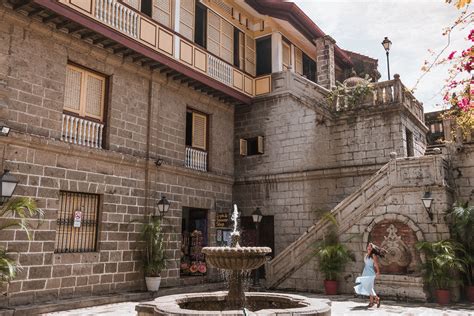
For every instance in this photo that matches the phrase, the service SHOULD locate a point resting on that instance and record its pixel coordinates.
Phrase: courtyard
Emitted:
(340, 306)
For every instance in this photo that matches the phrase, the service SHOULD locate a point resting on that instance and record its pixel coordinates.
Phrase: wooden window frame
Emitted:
(244, 146)
(83, 93)
(206, 134)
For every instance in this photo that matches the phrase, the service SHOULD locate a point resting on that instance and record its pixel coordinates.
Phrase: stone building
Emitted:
(113, 104)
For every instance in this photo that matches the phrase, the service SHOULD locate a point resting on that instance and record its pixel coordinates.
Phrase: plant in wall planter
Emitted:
(16, 213)
(332, 256)
(460, 219)
(441, 264)
(154, 253)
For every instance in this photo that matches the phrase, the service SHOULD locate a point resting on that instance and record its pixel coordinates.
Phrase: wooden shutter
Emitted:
(73, 89)
(243, 147)
(298, 61)
(199, 131)
(250, 56)
(94, 96)
(186, 19)
(227, 41)
(213, 33)
(241, 51)
(162, 12)
(133, 3)
(286, 55)
(260, 145)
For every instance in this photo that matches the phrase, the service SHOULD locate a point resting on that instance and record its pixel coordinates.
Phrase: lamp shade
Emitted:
(386, 43)
(427, 200)
(257, 216)
(8, 185)
(163, 205)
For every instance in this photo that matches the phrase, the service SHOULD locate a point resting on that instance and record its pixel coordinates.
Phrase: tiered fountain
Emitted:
(236, 261)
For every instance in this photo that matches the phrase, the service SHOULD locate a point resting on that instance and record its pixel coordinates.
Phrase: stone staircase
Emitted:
(402, 172)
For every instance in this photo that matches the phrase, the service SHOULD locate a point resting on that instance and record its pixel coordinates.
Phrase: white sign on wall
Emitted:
(77, 218)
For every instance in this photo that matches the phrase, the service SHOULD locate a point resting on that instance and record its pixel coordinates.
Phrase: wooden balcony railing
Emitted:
(153, 35)
(195, 159)
(79, 131)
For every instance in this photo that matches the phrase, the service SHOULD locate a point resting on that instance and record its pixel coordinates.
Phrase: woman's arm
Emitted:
(376, 265)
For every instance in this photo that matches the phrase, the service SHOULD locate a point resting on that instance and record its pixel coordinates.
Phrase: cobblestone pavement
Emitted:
(341, 305)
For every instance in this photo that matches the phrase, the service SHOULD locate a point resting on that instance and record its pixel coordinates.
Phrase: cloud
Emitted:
(412, 26)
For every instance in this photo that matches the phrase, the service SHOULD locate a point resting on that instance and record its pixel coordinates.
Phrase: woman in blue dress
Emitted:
(365, 283)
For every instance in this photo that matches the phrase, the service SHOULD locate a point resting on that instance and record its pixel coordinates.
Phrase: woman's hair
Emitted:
(376, 250)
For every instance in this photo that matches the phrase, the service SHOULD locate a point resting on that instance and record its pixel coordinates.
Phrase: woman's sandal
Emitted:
(370, 305)
(378, 302)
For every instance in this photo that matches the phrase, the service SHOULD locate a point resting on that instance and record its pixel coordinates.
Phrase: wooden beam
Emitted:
(172, 73)
(165, 70)
(157, 66)
(36, 11)
(110, 45)
(86, 35)
(147, 62)
(99, 40)
(186, 80)
(138, 58)
(130, 53)
(75, 29)
(119, 49)
(62, 24)
(21, 4)
(179, 77)
(50, 18)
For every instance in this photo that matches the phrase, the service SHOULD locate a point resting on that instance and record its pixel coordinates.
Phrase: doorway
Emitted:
(194, 234)
(266, 235)
(264, 56)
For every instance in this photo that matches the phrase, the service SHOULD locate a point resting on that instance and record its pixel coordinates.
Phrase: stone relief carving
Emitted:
(398, 255)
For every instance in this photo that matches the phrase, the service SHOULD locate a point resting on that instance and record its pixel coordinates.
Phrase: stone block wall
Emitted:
(33, 65)
(401, 207)
(463, 172)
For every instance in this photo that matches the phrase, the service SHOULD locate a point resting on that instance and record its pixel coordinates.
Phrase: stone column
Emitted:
(293, 58)
(325, 64)
(277, 52)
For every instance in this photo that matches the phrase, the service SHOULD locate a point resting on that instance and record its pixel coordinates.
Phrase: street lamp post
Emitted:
(8, 184)
(386, 43)
(163, 206)
(257, 218)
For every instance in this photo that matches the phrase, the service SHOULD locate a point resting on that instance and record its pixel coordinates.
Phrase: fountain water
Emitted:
(238, 261)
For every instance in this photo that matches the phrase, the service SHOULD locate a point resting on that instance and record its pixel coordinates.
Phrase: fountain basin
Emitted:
(259, 303)
(236, 258)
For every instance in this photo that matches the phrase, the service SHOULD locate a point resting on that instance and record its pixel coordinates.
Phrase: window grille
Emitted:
(77, 223)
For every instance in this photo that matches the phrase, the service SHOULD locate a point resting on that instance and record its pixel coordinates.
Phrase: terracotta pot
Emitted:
(330, 287)
(443, 297)
(152, 283)
(470, 293)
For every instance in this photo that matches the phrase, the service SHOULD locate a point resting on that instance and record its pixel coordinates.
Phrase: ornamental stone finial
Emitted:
(393, 155)
(396, 76)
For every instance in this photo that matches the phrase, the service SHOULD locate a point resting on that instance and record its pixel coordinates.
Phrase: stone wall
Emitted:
(401, 206)
(463, 171)
(33, 65)
(313, 158)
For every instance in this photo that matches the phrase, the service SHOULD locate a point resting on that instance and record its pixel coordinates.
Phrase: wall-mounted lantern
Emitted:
(428, 203)
(8, 185)
(163, 206)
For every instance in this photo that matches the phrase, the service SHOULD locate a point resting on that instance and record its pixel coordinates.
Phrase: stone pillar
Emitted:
(325, 64)
(277, 52)
(176, 18)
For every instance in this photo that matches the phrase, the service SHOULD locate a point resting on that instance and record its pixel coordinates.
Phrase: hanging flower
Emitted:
(451, 55)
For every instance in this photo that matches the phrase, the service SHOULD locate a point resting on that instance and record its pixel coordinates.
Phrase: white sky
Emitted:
(413, 26)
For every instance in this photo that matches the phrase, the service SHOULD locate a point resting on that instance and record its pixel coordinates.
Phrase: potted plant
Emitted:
(154, 253)
(441, 262)
(460, 219)
(16, 213)
(332, 257)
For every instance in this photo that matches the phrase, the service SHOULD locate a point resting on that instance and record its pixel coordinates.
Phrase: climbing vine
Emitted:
(351, 95)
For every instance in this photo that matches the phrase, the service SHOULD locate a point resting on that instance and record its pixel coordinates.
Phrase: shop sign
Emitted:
(222, 220)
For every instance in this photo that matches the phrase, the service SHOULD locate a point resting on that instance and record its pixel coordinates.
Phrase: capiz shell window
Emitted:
(77, 222)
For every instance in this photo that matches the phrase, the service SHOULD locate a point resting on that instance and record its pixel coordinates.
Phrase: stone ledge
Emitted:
(83, 302)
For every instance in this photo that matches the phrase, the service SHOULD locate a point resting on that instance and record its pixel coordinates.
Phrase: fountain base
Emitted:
(257, 303)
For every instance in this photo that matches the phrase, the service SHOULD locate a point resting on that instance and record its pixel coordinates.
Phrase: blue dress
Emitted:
(365, 283)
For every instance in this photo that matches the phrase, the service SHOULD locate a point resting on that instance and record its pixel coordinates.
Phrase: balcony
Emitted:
(133, 34)
(79, 131)
(195, 159)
